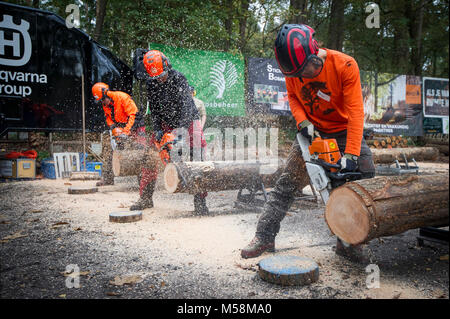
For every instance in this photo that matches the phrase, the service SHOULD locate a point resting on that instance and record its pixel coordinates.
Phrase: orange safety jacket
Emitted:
(124, 110)
(332, 101)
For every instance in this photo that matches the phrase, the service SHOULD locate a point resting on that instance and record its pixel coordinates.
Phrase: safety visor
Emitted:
(100, 102)
(312, 67)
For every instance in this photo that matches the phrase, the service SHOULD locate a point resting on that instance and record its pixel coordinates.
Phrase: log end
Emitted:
(116, 158)
(171, 178)
(347, 216)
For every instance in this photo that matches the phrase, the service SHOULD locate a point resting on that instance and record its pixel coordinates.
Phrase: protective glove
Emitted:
(123, 137)
(305, 128)
(158, 136)
(349, 163)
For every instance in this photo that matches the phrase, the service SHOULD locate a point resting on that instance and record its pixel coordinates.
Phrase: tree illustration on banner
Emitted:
(223, 76)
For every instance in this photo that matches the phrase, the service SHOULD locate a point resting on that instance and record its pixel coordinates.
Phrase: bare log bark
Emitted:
(383, 206)
(388, 156)
(196, 177)
(130, 161)
(441, 147)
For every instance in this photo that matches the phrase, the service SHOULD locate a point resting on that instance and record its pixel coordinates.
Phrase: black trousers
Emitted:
(294, 177)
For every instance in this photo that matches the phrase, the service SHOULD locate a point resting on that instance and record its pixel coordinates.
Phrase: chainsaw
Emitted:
(321, 157)
(165, 146)
(117, 142)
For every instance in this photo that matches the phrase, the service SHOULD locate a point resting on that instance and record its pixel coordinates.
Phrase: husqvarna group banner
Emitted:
(266, 87)
(217, 77)
(41, 63)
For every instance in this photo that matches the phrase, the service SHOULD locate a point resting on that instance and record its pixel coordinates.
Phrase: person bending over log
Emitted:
(172, 109)
(123, 119)
(324, 92)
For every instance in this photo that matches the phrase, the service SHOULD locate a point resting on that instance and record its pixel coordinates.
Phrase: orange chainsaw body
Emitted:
(325, 149)
(165, 146)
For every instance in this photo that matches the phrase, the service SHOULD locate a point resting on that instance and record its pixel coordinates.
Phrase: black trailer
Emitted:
(41, 63)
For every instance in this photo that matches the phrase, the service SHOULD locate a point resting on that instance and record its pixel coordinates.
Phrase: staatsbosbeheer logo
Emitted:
(20, 56)
(223, 75)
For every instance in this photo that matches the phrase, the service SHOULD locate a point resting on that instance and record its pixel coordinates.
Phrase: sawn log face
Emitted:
(387, 205)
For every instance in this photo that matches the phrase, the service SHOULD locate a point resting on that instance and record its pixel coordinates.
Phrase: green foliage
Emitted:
(398, 46)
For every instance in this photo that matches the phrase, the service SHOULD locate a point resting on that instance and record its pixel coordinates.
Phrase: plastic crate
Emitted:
(94, 167)
(48, 168)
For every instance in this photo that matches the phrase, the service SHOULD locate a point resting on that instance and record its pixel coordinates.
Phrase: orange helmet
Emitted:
(156, 64)
(99, 90)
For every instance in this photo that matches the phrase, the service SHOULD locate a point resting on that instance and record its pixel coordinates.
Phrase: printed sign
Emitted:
(435, 97)
(218, 77)
(266, 87)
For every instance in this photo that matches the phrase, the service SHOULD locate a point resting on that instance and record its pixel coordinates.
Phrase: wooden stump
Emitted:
(82, 190)
(288, 270)
(383, 206)
(125, 217)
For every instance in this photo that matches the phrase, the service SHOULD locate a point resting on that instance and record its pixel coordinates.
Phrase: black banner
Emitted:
(435, 97)
(266, 87)
(41, 63)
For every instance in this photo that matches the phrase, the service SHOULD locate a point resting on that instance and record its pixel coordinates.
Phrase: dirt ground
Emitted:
(172, 253)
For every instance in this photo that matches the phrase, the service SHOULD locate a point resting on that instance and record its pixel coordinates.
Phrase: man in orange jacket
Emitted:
(120, 114)
(324, 92)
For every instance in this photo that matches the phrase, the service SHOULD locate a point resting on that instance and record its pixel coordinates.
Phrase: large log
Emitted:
(443, 148)
(439, 139)
(130, 161)
(388, 156)
(210, 176)
(383, 206)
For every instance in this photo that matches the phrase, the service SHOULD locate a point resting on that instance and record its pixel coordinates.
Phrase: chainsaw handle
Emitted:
(351, 176)
(322, 163)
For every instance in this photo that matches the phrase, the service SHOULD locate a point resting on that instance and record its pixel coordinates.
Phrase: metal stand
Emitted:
(247, 196)
(433, 234)
(398, 169)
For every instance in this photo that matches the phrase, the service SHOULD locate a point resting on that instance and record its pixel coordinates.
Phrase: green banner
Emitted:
(218, 77)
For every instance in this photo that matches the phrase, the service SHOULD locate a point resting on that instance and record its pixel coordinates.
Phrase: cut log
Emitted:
(437, 139)
(84, 176)
(388, 156)
(442, 148)
(387, 205)
(129, 162)
(197, 177)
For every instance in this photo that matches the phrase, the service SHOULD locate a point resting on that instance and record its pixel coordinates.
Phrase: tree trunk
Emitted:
(130, 161)
(228, 23)
(383, 206)
(335, 29)
(416, 26)
(388, 156)
(297, 9)
(243, 23)
(197, 177)
(100, 11)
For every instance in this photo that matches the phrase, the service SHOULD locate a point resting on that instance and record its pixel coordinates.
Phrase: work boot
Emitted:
(352, 253)
(104, 182)
(257, 246)
(146, 199)
(200, 207)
